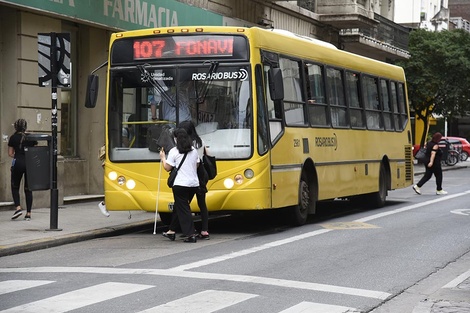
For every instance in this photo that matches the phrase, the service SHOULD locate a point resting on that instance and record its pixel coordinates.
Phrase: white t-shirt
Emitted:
(187, 174)
(200, 150)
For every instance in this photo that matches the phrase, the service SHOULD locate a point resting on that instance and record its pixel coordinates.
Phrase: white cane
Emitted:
(158, 196)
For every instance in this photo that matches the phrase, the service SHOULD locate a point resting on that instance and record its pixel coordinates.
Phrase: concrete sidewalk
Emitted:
(75, 222)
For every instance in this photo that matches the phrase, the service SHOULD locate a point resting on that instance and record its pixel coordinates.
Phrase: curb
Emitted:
(72, 238)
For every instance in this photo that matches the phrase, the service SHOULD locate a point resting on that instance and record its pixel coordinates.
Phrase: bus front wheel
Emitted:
(306, 201)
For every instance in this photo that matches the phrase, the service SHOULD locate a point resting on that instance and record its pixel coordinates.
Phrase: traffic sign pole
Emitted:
(54, 71)
(54, 191)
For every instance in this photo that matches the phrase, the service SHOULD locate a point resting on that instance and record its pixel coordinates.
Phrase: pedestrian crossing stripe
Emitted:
(205, 301)
(208, 301)
(348, 225)
(311, 307)
(79, 298)
(17, 285)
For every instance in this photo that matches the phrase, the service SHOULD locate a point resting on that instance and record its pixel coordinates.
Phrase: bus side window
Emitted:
(402, 105)
(317, 107)
(353, 91)
(394, 101)
(293, 97)
(371, 103)
(336, 98)
(385, 99)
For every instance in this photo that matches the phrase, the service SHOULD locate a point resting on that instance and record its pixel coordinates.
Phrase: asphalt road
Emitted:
(406, 257)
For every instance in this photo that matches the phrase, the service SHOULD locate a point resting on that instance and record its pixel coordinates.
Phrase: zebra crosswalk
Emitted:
(207, 301)
(17, 285)
(79, 298)
(199, 302)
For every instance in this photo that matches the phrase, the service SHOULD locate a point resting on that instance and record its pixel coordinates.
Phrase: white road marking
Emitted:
(8, 286)
(412, 207)
(207, 276)
(250, 250)
(206, 301)
(310, 307)
(454, 283)
(461, 212)
(79, 298)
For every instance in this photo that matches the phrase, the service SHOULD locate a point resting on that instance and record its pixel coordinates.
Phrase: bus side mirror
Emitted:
(91, 91)
(276, 85)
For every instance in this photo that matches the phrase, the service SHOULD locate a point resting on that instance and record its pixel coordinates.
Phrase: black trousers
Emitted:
(182, 210)
(435, 169)
(201, 203)
(18, 170)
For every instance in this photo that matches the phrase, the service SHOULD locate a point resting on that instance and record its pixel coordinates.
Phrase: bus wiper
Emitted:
(202, 93)
(155, 84)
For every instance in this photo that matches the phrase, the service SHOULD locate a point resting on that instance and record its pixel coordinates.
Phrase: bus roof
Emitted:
(287, 43)
(322, 52)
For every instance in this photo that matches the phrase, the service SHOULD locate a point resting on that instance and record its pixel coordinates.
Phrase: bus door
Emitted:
(282, 179)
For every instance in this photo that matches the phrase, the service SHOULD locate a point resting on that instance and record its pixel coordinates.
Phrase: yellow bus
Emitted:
(291, 120)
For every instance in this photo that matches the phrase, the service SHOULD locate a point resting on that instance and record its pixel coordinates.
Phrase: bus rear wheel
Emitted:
(378, 199)
(306, 201)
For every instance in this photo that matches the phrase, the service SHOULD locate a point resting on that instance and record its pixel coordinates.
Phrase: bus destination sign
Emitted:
(183, 47)
(174, 48)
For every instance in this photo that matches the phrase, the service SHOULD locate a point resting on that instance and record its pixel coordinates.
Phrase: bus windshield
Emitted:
(146, 101)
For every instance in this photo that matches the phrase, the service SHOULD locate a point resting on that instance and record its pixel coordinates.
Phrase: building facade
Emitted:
(460, 14)
(432, 15)
(362, 26)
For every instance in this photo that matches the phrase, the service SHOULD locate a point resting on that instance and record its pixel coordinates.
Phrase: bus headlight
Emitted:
(112, 175)
(239, 179)
(249, 173)
(228, 183)
(130, 184)
(121, 180)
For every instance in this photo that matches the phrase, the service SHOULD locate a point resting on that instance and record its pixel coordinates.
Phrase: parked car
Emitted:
(460, 144)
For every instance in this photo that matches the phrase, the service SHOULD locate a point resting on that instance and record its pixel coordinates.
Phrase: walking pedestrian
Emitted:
(16, 144)
(433, 165)
(199, 145)
(186, 158)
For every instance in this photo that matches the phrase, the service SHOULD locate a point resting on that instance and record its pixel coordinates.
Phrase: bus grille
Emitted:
(409, 163)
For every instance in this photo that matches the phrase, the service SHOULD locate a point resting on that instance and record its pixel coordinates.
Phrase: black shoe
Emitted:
(169, 236)
(201, 236)
(17, 214)
(192, 238)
